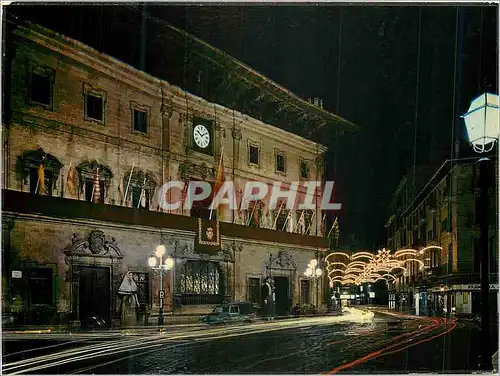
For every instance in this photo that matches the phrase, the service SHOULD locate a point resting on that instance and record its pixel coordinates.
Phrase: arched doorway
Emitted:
(282, 271)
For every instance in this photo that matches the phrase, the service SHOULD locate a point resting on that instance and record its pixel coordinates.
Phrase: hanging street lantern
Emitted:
(481, 121)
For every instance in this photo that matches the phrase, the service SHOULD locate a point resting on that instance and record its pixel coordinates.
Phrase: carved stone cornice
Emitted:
(96, 244)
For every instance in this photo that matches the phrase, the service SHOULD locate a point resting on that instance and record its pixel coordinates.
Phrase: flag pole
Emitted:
(286, 221)
(128, 184)
(332, 227)
(251, 214)
(67, 177)
(310, 223)
(277, 215)
(218, 169)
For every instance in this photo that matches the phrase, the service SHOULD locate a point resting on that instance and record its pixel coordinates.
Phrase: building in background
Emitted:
(88, 140)
(440, 221)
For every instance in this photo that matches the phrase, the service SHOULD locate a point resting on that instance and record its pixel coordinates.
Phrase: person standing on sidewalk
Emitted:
(269, 299)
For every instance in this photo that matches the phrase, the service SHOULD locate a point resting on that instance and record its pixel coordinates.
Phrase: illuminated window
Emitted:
(200, 278)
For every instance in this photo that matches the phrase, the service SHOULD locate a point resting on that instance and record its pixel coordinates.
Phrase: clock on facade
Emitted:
(201, 136)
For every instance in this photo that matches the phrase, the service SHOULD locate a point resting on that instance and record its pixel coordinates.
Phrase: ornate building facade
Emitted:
(88, 140)
(440, 220)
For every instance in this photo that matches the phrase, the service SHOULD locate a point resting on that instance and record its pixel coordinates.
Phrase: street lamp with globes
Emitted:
(314, 272)
(481, 121)
(156, 263)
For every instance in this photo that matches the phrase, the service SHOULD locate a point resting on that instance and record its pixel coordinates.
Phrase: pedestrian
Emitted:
(269, 299)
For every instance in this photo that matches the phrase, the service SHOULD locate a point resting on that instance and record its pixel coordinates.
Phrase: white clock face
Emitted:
(201, 136)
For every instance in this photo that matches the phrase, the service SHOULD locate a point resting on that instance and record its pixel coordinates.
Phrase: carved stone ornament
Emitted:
(236, 133)
(188, 169)
(283, 261)
(96, 244)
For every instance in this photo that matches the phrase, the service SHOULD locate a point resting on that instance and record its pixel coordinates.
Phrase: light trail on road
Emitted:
(437, 323)
(156, 340)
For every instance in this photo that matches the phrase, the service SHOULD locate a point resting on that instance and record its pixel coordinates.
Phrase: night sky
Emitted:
(381, 84)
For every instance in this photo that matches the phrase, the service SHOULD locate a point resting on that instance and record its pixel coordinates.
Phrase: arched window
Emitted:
(91, 172)
(141, 188)
(28, 166)
(201, 282)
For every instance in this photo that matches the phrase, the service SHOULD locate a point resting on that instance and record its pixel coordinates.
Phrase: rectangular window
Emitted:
(140, 121)
(142, 282)
(254, 290)
(253, 154)
(34, 184)
(94, 107)
(40, 286)
(89, 190)
(41, 88)
(304, 291)
(304, 170)
(280, 162)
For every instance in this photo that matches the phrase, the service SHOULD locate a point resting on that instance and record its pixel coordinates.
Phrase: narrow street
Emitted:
(356, 342)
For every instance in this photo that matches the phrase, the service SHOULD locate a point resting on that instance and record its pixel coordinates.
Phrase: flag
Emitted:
(287, 220)
(184, 193)
(96, 193)
(121, 191)
(218, 183)
(258, 215)
(40, 184)
(290, 222)
(142, 196)
(311, 223)
(71, 181)
(302, 223)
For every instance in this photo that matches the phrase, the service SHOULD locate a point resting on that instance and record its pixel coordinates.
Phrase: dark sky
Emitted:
(380, 73)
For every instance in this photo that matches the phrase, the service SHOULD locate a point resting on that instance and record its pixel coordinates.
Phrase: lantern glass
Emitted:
(481, 121)
(152, 262)
(160, 251)
(169, 263)
(319, 272)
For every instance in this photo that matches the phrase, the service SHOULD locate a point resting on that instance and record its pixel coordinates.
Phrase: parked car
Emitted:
(232, 313)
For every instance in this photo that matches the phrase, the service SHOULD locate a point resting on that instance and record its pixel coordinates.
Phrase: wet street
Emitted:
(356, 342)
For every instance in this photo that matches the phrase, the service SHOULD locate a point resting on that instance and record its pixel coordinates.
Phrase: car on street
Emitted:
(231, 313)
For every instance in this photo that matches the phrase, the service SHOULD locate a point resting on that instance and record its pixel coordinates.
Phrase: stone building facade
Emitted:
(441, 220)
(86, 117)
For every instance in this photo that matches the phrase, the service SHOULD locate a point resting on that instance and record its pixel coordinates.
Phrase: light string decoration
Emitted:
(365, 267)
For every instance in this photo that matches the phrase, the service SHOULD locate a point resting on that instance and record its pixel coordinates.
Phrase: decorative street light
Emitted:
(314, 272)
(162, 268)
(481, 121)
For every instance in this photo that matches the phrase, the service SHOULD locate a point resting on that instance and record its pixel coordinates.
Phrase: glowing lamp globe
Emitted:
(313, 263)
(308, 272)
(319, 272)
(169, 263)
(160, 251)
(152, 261)
(481, 121)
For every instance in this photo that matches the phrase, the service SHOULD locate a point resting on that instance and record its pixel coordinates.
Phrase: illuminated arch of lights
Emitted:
(365, 267)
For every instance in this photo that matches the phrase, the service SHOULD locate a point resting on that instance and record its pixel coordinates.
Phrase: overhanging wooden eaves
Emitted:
(250, 91)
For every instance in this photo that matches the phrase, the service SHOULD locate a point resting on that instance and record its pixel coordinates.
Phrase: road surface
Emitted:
(358, 341)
